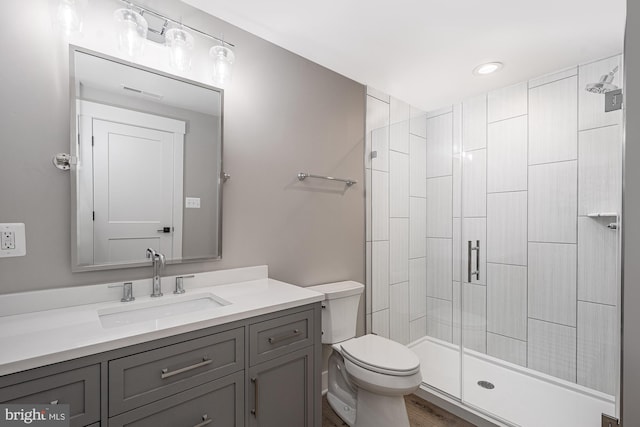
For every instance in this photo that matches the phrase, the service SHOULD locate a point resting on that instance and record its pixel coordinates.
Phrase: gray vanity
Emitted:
(261, 370)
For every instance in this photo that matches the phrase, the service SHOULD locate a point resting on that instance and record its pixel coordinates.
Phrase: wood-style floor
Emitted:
(421, 414)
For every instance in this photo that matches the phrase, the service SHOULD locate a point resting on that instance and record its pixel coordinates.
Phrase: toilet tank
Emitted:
(339, 310)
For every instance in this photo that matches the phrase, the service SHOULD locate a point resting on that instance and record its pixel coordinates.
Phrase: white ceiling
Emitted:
(423, 51)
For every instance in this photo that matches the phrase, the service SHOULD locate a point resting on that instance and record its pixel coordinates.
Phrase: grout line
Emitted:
(598, 303)
(440, 176)
(552, 163)
(577, 208)
(441, 299)
(528, 219)
(506, 263)
(552, 243)
(444, 113)
(509, 191)
(504, 120)
(486, 232)
(598, 127)
(475, 149)
(453, 132)
(554, 323)
(556, 80)
(505, 336)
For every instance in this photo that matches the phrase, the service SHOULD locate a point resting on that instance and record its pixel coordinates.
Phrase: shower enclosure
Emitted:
(493, 249)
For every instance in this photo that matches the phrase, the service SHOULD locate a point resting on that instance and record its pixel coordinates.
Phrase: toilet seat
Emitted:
(380, 355)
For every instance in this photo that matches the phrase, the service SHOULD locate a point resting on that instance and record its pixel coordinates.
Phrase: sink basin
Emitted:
(157, 310)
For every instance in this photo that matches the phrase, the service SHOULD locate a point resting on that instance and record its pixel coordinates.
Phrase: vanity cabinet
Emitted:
(262, 371)
(78, 388)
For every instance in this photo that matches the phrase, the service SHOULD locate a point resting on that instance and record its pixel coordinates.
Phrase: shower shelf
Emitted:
(602, 214)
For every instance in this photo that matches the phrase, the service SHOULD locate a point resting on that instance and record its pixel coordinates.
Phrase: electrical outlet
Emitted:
(12, 240)
(8, 240)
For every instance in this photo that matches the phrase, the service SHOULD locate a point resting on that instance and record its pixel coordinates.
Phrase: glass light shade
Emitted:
(132, 31)
(69, 16)
(223, 59)
(180, 45)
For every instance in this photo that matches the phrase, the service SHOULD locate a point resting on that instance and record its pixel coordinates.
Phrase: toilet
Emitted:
(369, 375)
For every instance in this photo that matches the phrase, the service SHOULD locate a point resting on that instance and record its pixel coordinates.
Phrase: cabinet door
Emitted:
(281, 391)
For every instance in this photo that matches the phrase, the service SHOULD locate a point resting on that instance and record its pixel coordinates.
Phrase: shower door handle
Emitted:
(470, 250)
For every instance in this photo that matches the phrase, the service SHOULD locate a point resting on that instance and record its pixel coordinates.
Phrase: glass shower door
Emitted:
(540, 194)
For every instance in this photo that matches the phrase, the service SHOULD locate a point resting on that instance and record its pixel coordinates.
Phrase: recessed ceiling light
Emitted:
(488, 68)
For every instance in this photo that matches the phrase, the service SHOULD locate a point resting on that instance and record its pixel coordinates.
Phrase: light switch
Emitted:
(12, 240)
(192, 203)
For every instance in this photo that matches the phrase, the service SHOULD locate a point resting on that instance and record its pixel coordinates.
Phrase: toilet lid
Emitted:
(381, 355)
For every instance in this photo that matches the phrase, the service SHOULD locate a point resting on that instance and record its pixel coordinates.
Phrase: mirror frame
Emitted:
(74, 135)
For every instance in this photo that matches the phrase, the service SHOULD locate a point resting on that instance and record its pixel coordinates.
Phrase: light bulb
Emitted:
(180, 45)
(223, 59)
(69, 16)
(488, 68)
(132, 32)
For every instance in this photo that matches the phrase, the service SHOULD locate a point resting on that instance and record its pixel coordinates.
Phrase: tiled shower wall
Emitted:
(519, 169)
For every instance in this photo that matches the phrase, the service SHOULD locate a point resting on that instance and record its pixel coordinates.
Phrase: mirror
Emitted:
(146, 165)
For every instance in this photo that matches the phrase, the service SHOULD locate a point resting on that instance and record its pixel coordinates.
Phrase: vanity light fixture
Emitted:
(132, 31)
(488, 68)
(177, 36)
(180, 44)
(69, 16)
(223, 59)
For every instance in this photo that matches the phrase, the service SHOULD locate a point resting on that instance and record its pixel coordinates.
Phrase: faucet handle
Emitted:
(180, 284)
(127, 291)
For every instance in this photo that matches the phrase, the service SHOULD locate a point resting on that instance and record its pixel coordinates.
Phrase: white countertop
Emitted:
(33, 339)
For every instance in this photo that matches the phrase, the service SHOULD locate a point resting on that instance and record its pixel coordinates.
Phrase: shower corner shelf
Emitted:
(602, 214)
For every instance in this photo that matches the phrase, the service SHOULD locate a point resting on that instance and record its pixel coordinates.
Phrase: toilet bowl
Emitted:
(369, 375)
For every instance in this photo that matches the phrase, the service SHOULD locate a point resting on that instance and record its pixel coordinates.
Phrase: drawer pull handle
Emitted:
(54, 402)
(205, 421)
(256, 397)
(166, 373)
(285, 336)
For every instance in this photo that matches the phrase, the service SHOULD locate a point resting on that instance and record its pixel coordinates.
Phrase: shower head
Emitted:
(604, 85)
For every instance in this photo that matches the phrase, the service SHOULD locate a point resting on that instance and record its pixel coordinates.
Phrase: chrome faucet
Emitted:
(158, 263)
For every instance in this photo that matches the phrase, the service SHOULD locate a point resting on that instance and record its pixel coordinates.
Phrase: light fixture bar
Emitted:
(161, 16)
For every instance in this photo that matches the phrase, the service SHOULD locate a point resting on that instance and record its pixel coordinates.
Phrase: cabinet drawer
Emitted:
(276, 337)
(146, 377)
(80, 389)
(215, 404)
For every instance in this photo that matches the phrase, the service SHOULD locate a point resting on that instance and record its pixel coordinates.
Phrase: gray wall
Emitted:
(631, 230)
(283, 115)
